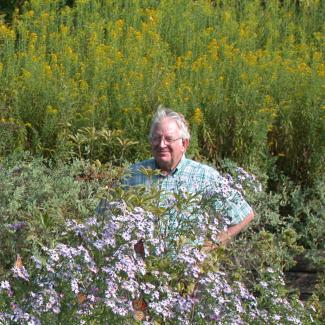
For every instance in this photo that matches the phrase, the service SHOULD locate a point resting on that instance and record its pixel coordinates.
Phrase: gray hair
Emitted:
(164, 112)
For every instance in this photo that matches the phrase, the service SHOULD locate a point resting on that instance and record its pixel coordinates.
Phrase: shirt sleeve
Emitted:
(236, 208)
(228, 201)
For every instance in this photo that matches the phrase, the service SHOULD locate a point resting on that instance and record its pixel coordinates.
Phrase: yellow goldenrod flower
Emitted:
(304, 68)
(102, 98)
(138, 35)
(318, 36)
(226, 16)
(214, 49)
(152, 15)
(45, 15)
(48, 70)
(64, 29)
(198, 116)
(321, 70)
(119, 23)
(54, 58)
(243, 32)
(317, 56)
(6, 32)
(51, 110)
(179, 61)
(268, 99)
(188, 54)
(250, 58)
(244, 76)
(83, 84)
(26, 74)
(30, 13)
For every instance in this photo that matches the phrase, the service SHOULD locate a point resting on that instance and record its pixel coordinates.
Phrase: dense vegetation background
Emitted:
(80, 80)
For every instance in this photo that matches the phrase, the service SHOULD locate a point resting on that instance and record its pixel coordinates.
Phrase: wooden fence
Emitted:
(305, 274)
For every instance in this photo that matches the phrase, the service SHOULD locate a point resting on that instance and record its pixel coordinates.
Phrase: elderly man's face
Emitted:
(167, 146)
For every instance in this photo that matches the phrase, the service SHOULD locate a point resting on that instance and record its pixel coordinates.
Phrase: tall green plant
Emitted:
(248, 75)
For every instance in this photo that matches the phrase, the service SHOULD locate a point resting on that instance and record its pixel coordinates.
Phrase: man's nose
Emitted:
(162, 142)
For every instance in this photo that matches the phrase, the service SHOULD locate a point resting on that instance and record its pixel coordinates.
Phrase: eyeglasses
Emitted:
(168, 140)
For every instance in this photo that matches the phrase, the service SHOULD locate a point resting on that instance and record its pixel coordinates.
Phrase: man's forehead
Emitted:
(167, 125)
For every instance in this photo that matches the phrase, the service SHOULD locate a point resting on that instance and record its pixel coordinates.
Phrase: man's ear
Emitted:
(186, 143)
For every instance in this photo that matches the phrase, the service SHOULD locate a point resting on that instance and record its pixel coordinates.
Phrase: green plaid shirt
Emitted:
(193, 177)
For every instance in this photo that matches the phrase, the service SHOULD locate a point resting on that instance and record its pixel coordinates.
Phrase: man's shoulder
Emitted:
(200, 167)
(148, 163)
(135, 176)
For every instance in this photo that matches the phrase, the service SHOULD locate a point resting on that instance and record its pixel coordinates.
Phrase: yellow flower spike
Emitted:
(243, 32)
(188, 54)
(51, 110)
(318, 36)
(64, 29)
(321, 70)
(317, 56)
(30, 13)
(6, 32)
(138, 35)
(226, 16)
(144, 27)
(119, 23)
(152, 15)
(198, 116)
(268, 99)
(1, 67)
(48, 70)
(214, 49)
(26, 74)
(83, 84)
(304, 68)
(69, 50)
(244, 76)
(45, 15)
(102, 98)
(54, 58)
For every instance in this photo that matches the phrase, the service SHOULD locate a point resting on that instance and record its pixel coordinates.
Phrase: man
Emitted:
(169, 137)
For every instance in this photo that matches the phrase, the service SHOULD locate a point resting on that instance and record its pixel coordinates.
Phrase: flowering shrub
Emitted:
(116, 267)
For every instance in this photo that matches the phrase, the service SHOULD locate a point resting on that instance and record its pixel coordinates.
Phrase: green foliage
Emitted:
(37, 198)
(248, 75)
(104, 144)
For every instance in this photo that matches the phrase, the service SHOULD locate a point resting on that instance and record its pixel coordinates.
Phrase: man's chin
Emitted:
(163, 164)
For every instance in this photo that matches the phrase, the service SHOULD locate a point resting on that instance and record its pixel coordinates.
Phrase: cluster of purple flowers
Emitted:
(242, 178)
(118, 267)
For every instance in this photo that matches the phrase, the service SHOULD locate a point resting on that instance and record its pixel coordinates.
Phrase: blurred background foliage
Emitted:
(249, 76)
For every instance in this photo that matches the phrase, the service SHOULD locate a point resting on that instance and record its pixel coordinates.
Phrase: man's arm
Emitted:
(225, 236)
(234, 230)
